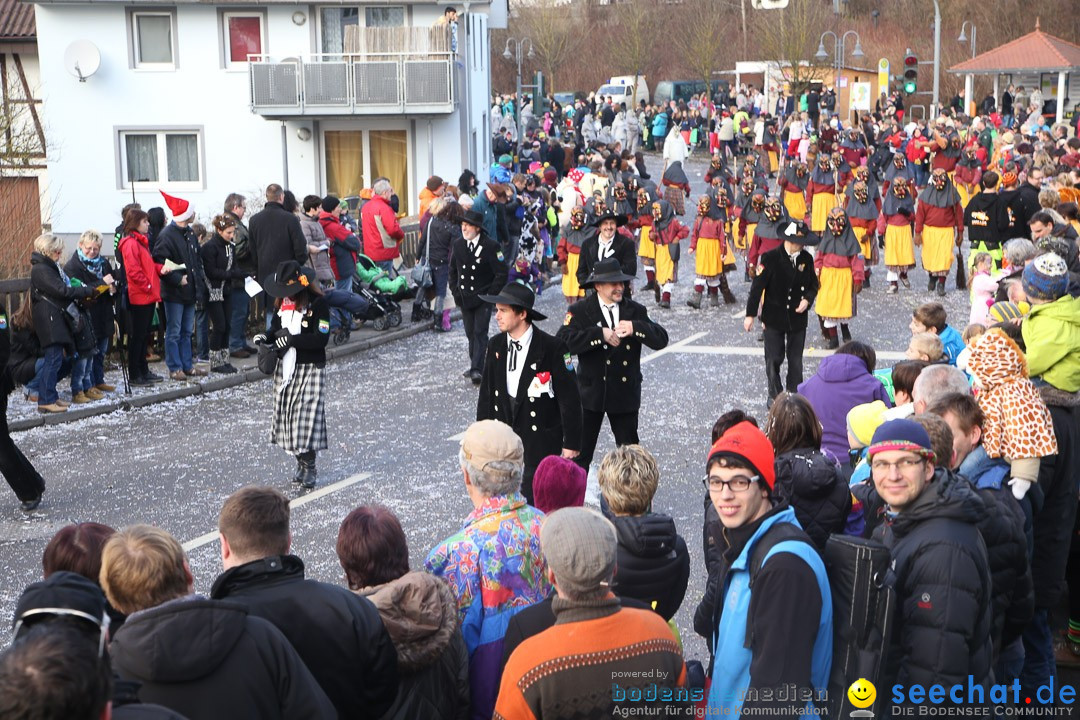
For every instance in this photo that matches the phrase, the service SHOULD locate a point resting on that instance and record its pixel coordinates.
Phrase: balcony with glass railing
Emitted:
(382, 71)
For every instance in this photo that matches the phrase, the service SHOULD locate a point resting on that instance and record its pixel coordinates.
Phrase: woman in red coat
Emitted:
(143, 293)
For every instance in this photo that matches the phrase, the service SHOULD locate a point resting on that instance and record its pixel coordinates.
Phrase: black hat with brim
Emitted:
(797, 231)
(474, 218)
(607, 271)
(620, 220)
(289, 279)
(519, 295)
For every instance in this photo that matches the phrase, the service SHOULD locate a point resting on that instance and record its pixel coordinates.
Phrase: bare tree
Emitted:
(551, 27)
(701, 50)
(635, 50)
(789, 37)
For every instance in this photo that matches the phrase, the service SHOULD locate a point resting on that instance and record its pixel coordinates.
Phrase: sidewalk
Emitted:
(23, 415)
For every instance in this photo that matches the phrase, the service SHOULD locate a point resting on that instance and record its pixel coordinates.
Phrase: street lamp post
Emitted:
(969, 79)
(838, 51)
(963, 36)
(518, 45)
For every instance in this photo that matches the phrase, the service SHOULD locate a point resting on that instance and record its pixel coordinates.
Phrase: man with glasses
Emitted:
(770, 583)
(940, 571)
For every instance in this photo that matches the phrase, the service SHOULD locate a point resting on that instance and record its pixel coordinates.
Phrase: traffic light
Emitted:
(911, 73)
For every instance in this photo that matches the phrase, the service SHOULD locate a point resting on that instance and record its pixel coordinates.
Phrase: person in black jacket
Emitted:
(477, 267)
(420, 613)
(180, 291)
(52, 297)
(19, 472)
(222, 662)
(299, 331)
(1028, 196)
(939, 571)
(607, 331)
(528, 383)
(981, 218)
(653, 563)
(338, 635)
(788, 280)
(810, 482)
(607, 243)
(219, 266)
(93, 269)
(275, 236)
(443, 231)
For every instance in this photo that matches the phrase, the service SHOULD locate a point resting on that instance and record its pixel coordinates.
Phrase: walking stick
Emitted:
(961, 270)
(123, 362)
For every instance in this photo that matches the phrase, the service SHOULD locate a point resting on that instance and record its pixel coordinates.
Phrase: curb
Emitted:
(217, 383)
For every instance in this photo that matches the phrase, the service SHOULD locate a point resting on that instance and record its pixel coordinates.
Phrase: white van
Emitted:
(621, 89)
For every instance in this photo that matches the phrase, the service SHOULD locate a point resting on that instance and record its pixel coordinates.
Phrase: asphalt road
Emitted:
(393, 415)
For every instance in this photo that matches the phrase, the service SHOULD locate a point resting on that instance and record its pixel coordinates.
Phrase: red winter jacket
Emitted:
(377, 207)
(142, 273)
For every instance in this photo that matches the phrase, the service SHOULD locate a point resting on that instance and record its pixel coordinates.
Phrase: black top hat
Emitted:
(797, 231)
(289, 279)
(474, 218)
(620, 220)
(607, 271)
(519, 295)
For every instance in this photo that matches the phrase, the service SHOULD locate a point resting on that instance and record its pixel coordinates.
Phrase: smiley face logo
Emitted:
(862, 693)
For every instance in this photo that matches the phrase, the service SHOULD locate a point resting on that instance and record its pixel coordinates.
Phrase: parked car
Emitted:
(668, 90)
(621, 89)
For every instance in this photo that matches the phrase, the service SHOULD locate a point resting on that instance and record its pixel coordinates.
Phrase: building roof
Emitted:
(17, 20)
(1035, 51)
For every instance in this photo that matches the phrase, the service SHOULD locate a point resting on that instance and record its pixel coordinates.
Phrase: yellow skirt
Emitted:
(708, 262)
(774, 161)
(865, 241)
(665, 267)
(834, 299)
(899, 249)
(822, 204)
(964, 197)
(743, 242)
(937, 248)
(646, 247)
(795, 202)
(570, 287)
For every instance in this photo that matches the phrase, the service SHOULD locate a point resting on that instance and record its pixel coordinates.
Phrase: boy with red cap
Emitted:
(769, 581)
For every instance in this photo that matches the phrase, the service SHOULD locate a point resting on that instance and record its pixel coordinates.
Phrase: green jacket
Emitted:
(1052, 336)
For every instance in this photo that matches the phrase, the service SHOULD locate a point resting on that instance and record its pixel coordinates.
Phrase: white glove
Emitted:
(1019, 487)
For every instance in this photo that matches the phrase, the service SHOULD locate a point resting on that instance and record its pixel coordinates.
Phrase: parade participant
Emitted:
(718, 169)
(939, 224)
(787, 279)
(618, 199)
(792, 183)
(477, 266)
(299, 331)
(676, 187)
(852, 148)
(967, 175)
(709, 244)
(569, 253)
(940, 561)
(489, 590)
(745, 223)
(607, 331)
(770, 146)
(840, 269)
(15, 467)
(843, 172)
(767, 234)
(769, 580)
(863, 213)
(608, 241)
(642, 221)
(945, 143)
(821, 192)
(897, 211)
(900, 167)
(666, 233)
(595, 206)
(528, 382)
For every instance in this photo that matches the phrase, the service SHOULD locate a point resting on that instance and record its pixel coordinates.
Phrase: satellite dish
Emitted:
(82, 59)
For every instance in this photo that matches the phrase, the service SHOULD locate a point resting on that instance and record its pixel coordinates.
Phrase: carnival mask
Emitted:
(900, 187)
(577, 218)
(703, 205)
(716, 162)
(954, 141)
(721, 198)
(757, 201)
(825, 163)
(861, 192)
(656, 212)
(970, 153)
(747, 186)
(899, 160)
(837, 158)
(599, 207)
(642, 198)
(837, 221)
(800, 170)
(939, 178)
(862, 174)
(620, 191)
(773, 209)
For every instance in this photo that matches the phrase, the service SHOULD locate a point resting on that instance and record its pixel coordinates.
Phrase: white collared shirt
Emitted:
(513, 376)
(605, 250)
(610, 313)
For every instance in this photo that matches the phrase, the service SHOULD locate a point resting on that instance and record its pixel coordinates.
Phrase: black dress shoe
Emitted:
(31, 505)
(468, 373)
(141, 382)
(153, 377)
(476, 378)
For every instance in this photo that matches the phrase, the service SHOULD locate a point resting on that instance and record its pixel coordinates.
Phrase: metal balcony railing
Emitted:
(346, 84)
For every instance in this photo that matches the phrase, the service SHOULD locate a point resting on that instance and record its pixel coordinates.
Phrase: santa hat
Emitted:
(179, 208)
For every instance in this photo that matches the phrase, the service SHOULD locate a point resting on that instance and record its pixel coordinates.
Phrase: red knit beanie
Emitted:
(747, 443)
(558, 483)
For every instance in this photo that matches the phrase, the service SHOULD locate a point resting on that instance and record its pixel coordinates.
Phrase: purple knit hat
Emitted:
(558, 483)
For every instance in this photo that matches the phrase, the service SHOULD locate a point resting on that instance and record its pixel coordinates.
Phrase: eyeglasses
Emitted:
(102, 623)
(738, 484)
(903, 465)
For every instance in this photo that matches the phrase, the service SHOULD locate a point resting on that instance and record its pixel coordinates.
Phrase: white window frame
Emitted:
(226, 48)
(162, 183)
(133, 26)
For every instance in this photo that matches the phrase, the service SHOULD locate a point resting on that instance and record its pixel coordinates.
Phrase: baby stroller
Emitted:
(383, 309)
